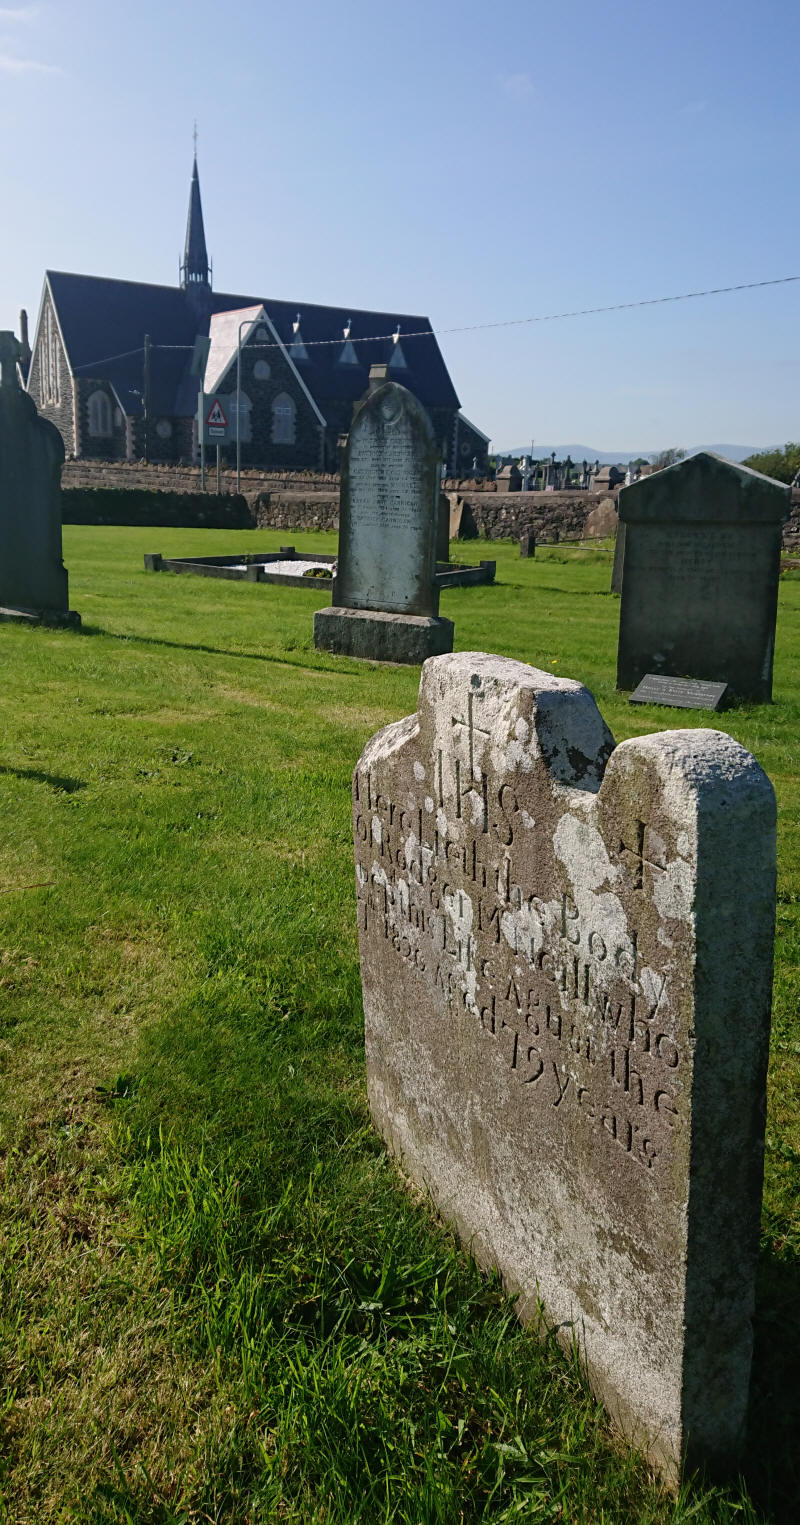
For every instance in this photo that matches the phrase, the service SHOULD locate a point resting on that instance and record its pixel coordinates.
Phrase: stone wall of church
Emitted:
(263, 391)
(112, 446)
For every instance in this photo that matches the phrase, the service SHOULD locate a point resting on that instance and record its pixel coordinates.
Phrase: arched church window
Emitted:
(49, 360)
(99, 415)
(284, 415)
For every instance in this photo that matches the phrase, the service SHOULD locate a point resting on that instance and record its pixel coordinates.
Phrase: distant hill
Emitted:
(619, 457)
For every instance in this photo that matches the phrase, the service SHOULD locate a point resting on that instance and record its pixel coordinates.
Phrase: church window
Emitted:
(284, 415)
(164, 428)
(261, 370)
(49, 360)
(99, 415)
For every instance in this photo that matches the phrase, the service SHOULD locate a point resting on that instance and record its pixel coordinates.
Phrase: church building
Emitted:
(118, 365)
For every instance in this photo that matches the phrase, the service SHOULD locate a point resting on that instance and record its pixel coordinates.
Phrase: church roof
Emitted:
(103, 323)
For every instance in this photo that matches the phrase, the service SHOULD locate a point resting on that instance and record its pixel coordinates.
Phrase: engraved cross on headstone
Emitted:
(10, 353)
(635, 858)
(479, 777)
(471, 728)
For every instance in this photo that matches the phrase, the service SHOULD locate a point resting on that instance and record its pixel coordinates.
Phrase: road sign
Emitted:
(214, 412)
(215, 418)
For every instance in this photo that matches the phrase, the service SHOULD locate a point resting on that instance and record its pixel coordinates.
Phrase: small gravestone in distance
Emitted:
(700, 567)
(33, 579)
(385, 598)
(527, 544)
(566, 981)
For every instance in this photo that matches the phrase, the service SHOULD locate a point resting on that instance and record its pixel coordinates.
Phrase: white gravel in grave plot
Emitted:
(292, 568)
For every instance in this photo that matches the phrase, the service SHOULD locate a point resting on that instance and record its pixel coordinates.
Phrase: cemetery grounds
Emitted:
(218, 1300)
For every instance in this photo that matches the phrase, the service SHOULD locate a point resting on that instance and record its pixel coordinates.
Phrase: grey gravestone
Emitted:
(527, 544)
(700, 575)
(680, 693)
(385, 599)
(33, 579)
(566, 983)
(619, 559)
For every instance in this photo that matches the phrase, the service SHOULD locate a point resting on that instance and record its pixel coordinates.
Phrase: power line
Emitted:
(471, 328)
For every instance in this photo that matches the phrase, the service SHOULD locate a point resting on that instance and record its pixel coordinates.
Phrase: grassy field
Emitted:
(217, 1301)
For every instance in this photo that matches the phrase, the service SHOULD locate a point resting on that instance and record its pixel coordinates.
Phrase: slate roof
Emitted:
(103, 320)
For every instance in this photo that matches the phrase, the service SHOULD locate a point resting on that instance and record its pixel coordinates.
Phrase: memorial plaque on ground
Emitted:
(699, 579)
(566, 983)
(33, 578)
(388, 530)
(680, 693)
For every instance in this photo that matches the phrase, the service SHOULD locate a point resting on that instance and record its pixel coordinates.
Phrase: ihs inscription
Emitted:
(578, 1020)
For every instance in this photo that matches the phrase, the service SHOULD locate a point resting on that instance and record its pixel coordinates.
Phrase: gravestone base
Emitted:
(40, 616)
(381, 637)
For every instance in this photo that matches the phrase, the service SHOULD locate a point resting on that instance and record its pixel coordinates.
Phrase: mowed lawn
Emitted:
(218, 1301)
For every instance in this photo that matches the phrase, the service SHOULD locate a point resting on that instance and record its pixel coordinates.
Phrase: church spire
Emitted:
(195, 270)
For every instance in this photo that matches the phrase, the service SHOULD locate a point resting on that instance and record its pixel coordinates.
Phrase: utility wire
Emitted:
(471, 328)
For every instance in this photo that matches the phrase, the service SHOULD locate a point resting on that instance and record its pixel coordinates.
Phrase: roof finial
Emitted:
(194, 135)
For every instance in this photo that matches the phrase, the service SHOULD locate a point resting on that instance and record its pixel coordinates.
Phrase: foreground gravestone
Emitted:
(566, 983)
(699, 575)
(385, 599)
(33, 579)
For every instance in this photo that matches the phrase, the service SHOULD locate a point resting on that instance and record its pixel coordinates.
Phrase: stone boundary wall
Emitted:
(306, 500)
(186, 479)
(549, 515)
(164, 510)
(295, 511)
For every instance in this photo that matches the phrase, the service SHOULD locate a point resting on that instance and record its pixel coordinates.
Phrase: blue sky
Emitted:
(469, 161)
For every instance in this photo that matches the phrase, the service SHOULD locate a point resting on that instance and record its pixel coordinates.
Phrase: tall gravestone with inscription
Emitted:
(567, 984)
(700, 561)
(33, 579)
(385, 598)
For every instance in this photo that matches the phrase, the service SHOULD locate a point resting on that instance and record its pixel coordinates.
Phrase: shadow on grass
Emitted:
(62, 785)
(772, 1466)
(215, 651)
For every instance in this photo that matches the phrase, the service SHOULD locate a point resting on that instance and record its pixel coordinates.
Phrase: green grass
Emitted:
(218, 1302)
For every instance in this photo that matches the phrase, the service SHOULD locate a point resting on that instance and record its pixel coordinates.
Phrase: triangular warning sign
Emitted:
(216, 418)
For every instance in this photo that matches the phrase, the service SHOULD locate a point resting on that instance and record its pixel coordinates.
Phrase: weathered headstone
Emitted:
(566, 982)
(462, 519)
(33, 579)
(527, 544)
(701, 561)
(385, 598)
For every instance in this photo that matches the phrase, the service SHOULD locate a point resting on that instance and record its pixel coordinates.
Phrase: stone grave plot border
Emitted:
(257, 569)
(567, 983)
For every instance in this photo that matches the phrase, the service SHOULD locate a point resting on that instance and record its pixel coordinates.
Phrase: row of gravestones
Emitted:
(697, 558)
(699, 545)
(566, 975)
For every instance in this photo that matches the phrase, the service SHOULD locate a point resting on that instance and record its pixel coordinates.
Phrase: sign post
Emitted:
(212, 416)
